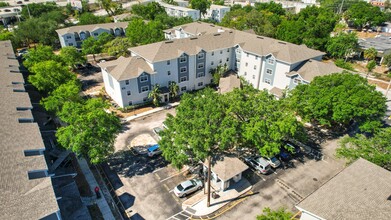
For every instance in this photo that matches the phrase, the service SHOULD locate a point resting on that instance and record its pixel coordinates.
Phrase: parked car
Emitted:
(273, 161)
(157, 130)
(168, 106)
(154, 150)
(259, 164)
(284, 154)
(187, 187)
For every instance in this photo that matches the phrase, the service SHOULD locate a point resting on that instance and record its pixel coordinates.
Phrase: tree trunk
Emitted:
(209, 175)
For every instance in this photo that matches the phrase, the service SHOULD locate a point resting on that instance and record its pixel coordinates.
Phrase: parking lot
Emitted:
(145, 185)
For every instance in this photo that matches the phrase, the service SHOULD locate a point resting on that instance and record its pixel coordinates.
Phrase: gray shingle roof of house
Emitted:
(126, 68)
(381, 43)
(91, 27)
(198, 27)
(313, 68)
(227, 167)
(21, 198)
(360, 191)
(262, 46)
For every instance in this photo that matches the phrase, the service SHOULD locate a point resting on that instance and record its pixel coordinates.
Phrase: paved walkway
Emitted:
(199, 208)
(157, 109)
(102, 203)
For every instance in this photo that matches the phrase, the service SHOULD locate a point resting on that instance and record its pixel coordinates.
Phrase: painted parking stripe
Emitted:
(173, 176)
(158, 169)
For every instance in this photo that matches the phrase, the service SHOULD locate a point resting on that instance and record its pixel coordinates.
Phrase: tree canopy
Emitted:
(91, 131)
(89, 18)
(48, 75)
(37, 9)
(279, 214)
(148, 11)
(363, 13)
(140, 33)
(118, 47)
(376, 149)
(68, 92)
(342, 45)
(38, 54)
(71, 56)
(340, 99)
(201, 5)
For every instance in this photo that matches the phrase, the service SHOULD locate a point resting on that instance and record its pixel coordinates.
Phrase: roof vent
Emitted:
(259, 37)
(168, 42)
(212, 25)
(230, 32)
(216, 34)
(193, 38)
(280, 42)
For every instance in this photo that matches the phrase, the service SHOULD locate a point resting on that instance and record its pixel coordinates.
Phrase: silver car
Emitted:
(187, 187)
(259, 164)
(274, 162)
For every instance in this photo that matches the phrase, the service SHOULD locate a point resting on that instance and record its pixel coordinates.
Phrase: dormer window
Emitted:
(271, 61)
(182, 59)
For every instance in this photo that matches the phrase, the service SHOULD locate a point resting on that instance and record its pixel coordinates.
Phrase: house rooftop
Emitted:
(381, 43)
(22, 198)
(198, 28)
(92, 27)
(313, 68)
(229, 82)
(258, 45)
(125, 68)
(218, 6)
(179, 8)
(227, 167)
(360, 191)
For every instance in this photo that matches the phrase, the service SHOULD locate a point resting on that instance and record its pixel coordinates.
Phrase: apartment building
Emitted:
(216, 12)
(265, 63)
(74, 35)
(178, 11)
(26, 188)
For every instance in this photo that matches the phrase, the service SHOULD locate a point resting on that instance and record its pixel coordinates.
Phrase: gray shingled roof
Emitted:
(381, 43)
(21, 198)
(126, 68)
(227, 167)
(313, 68)
(360, 191)
(92, 27)
(262, 46)
(198, 28)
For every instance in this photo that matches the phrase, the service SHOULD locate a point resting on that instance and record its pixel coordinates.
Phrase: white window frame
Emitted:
(271, 61)
(200, 66)
(246, 64)
(182, 59)
(183, 89)
(200, 74)
(69, 37)
(130, 103)
(269, 71)
(201, 56)
(213, 53)
(127, 82)
(168, 62)
(143, 90)
(255, 67)
(267, 81)
(184, 69)
(297, 81)
(128, 93)
(168, 72)
(200, 84)
(183, 79)
(145, 77)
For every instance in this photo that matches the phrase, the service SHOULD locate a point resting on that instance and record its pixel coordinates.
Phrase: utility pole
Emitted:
(340, 9)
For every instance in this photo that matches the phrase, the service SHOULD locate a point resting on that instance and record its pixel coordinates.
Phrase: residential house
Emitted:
(264, 62)
(178, 11)
(74, 35)
(216, 12)
(182, 3)
(360, 191)
(26, 187)
(193, 30)
(381, 43)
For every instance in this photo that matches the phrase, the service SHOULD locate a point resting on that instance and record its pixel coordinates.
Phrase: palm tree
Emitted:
(370, 53)
(174, 89)
(154, 94)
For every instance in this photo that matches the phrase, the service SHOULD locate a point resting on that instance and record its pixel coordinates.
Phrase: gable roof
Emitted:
(21, 198)
(227, 167)
(262, 46)
(313, 68)
(126, 67)
(360, 191)
(91, 27)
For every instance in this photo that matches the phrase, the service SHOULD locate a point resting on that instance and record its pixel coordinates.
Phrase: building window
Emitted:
(201, 56)
(143, 78)
(245, 73)
(200, 84)
(69, 37)
(183, 79)
(267, 81)
(248, 54)
(126, 82)
(297, 81)
(253, 76)
(213, 53)
(228, 50)
(130, 103)
(70, 44)
(144, 88)
(168, 72)
(221, 51)
(183, 89)
(183, 69)
(123, 88)
(246, 64)
(95, 34)
(182, 59)
(220, 61)
(200, 74)
(256, 57)
(227, 59)
(271, 61)
(128, 93)
(269, 71)
(145, 99)
(255, 67)
(211, 63)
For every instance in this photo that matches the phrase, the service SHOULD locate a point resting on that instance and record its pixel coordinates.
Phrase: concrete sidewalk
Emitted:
(199, 208)
(102, 203)
(156, 109)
